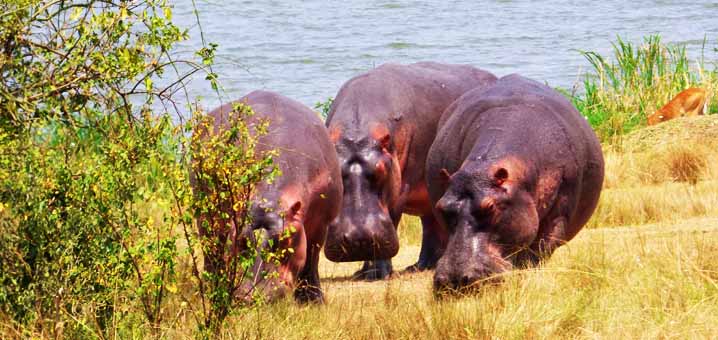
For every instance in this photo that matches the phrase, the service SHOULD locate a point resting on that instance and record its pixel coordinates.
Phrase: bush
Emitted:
(324, 107)
(96, 211)
(225, 169)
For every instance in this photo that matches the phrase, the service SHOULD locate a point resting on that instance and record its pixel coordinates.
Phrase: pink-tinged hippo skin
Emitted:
(306, 196)
(514, 172)
(382, 124)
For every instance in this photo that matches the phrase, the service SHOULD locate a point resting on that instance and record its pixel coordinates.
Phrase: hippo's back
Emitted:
(538, 119)
(406, 91)
(295, 131)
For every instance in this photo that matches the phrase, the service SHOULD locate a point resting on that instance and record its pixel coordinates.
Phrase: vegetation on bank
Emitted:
(97, 233)
(620, 91)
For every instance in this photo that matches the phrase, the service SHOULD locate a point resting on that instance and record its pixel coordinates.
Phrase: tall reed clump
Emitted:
(620, 93)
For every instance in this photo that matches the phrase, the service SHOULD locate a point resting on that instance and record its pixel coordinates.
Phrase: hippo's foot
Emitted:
(421, 265)
(427, 261)
(431, 246)
(309, 294)
(374, 270)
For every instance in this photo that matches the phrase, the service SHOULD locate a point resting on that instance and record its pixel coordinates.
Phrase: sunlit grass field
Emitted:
(644, 268)
(651, 281)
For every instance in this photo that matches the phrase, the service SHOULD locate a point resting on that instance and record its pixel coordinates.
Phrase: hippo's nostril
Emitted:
(440, 281)
(466, 280)
(455, 283)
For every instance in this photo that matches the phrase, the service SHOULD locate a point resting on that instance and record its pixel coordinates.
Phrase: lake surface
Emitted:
(307, 49)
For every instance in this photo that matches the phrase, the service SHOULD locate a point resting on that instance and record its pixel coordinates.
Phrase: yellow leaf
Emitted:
(168, 12)
(76, 13)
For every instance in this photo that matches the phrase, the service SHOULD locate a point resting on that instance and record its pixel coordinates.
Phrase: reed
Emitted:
(620, 92)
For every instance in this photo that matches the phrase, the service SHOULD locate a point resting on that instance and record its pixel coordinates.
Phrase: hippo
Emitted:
(514, 172)
(306, 196)
(382, 124)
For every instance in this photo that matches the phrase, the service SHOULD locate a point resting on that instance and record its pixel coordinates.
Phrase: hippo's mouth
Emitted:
(459, 290)
(362, 250)
(455, 276)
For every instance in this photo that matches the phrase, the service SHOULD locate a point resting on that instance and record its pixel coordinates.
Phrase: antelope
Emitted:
(690, 102)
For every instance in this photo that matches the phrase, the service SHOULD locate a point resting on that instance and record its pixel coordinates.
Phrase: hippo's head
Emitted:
(364, 229)
(490, 218)
(272, 233)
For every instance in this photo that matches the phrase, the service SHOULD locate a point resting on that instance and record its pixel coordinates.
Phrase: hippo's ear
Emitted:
(294, 210)
(500, 176)
(385, 142)
(444, 176)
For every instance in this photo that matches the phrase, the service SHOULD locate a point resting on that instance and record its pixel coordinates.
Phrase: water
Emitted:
(307, 49)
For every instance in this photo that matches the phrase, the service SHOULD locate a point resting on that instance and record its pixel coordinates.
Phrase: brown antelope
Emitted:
(690, 102)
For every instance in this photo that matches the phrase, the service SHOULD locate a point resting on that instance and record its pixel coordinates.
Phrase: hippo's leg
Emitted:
(433, 242)
(555, 237)
(308, 288)
(378, 269)
(545, 244)
(374, 270)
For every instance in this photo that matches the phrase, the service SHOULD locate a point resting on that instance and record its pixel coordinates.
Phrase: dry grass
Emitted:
(664, 172)
(657, 280)
(652, 281)
(639, 282)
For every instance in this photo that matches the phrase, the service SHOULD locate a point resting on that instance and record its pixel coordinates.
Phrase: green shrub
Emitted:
(96, 211)
(225, 169)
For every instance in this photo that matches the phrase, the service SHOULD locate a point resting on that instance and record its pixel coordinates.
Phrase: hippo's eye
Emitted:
(449, 211)
(451, 217)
